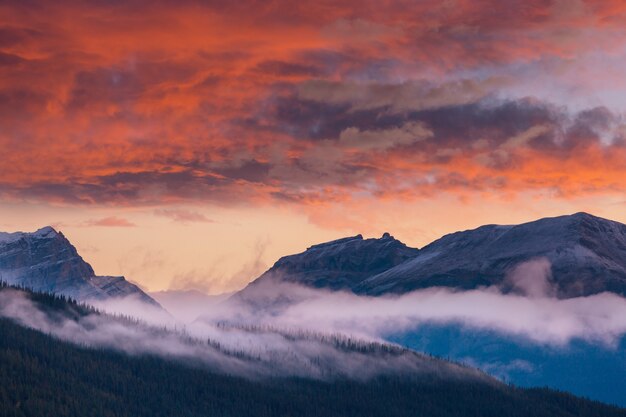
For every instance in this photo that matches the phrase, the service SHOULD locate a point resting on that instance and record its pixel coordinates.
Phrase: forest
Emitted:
(44, 376)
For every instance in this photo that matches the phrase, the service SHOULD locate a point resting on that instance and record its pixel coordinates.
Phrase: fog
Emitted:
(278, 328)
(598, 318)
(249, 351)
(528, 310)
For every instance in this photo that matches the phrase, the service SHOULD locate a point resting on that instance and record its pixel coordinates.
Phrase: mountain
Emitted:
(41, 375)
(341, 264)
(46, 261)
(587, 255)
(581, 367)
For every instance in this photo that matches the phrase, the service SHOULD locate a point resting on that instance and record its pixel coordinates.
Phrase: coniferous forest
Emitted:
(43, 376)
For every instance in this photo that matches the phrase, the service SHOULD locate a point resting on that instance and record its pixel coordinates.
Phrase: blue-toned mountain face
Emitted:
(584, 368)
(45, 261)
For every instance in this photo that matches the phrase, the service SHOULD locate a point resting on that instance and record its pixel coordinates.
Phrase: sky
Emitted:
(189, 144)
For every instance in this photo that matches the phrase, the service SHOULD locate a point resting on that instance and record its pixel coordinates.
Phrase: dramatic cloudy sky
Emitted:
(190, 143)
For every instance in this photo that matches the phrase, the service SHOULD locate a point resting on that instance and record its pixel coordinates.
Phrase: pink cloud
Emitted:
(109, 222)
(183, 216)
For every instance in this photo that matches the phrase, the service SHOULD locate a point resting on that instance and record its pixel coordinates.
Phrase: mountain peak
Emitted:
(45, 232)
(340, 263)
(336, 242)
(577, 217)
(46, 261)
(587, 255)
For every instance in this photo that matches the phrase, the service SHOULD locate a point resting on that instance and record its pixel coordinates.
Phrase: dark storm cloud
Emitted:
(287, 69)
(130, 188)
(21, 103)
(12, 36)
(10, 59)
(493, 121)
(253, 171)
(317, 120)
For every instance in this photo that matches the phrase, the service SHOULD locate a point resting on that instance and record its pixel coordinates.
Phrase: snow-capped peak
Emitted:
(45, 232)
(42, 233)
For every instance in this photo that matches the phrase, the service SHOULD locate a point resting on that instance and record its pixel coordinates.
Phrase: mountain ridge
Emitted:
(46, 261)
(587, 255)
(339, 264)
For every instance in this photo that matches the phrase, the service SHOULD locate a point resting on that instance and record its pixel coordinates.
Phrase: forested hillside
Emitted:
(42, 376)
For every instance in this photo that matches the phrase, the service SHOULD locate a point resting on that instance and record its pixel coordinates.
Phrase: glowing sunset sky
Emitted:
(191, 143)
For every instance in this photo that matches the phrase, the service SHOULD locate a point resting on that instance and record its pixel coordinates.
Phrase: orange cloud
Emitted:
(138, 103)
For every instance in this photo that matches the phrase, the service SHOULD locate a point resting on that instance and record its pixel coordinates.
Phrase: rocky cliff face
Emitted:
(46, 261)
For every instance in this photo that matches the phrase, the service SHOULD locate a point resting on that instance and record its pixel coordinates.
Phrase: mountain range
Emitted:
(587, 255)
(584, 255)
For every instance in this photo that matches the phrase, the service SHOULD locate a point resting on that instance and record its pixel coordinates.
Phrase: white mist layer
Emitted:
(529, 311)
(286, 329)
(599, 317)
(244, 351)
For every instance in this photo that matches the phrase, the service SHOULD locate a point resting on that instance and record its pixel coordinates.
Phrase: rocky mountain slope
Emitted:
(587, 255)
(46, 261)
(340, 264)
